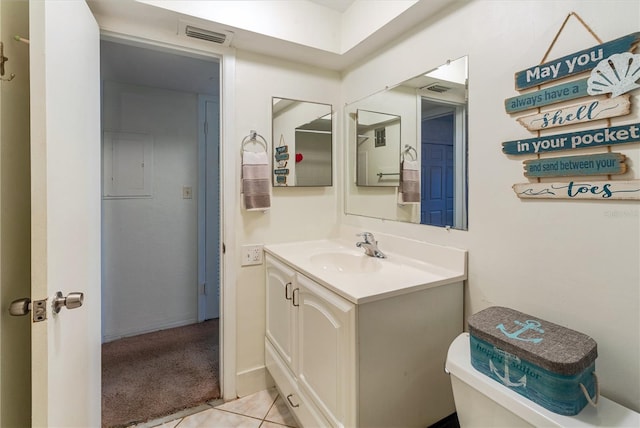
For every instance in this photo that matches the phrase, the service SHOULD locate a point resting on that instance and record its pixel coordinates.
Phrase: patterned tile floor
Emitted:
(264, 409)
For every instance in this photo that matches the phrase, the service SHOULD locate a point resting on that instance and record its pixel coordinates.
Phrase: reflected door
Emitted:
(437, 198)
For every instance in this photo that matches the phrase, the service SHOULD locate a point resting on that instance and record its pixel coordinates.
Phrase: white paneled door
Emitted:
(65, 211)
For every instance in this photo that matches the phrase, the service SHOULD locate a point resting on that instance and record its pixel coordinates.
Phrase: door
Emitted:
(209, 208)
(438, 171)
(65, 211)
(281, 316)
(326, 351)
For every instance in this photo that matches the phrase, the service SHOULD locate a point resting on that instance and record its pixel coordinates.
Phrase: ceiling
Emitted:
(158, 68)
(337, 5)
(158, 19)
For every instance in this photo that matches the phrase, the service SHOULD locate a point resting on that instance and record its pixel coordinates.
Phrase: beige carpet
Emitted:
(156, 374)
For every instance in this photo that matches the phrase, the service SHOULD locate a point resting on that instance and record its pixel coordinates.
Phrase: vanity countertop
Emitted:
(341, 267)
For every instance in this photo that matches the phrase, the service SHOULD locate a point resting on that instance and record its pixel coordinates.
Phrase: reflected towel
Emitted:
(409, 190)
(256, 183)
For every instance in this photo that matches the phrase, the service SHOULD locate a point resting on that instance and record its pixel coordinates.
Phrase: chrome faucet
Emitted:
(370, 245)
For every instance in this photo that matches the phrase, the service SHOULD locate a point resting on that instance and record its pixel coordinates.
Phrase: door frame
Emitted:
(228, 197)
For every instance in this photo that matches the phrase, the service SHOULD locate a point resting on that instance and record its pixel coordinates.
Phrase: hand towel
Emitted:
(409, 189)
(256, 181)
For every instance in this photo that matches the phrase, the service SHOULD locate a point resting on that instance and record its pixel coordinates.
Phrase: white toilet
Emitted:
(482, 402)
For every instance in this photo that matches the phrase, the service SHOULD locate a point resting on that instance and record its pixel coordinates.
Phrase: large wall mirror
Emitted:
(422, 178)
(302, 143)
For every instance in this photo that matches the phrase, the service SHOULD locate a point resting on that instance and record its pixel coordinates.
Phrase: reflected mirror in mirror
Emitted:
(432, 108)
(378, 149)
(302, 143)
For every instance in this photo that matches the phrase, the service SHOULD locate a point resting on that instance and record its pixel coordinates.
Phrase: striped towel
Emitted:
(256, 181)
(409, 190)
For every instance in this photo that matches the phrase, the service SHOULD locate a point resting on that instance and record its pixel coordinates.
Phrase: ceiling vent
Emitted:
(437, 88)
(222, 38)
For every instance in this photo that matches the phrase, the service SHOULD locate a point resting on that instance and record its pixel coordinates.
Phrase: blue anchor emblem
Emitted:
(528, 325)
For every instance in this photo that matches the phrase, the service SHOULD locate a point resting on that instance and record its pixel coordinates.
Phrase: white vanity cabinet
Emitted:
(348, 363)
(288, 304)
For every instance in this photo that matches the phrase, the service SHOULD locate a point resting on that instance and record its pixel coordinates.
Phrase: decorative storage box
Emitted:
(547, 363)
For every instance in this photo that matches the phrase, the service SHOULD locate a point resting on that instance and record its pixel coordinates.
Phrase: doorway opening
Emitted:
(160, 228)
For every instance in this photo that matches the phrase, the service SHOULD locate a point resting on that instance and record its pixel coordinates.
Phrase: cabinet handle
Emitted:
(289, 398)
(287, 294)
(295, 302)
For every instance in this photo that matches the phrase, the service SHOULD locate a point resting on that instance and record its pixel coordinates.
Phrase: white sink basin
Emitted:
(346, 262)
(341, 267)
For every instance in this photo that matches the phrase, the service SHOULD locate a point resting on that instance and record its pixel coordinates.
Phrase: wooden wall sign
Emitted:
(600, 164)
(547, 96)
(594, 109)
(608, 190)
(573, 64)
(615, 69)
(575, 140)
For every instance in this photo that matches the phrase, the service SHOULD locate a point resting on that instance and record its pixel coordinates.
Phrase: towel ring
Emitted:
(254, 138)
(411, 151)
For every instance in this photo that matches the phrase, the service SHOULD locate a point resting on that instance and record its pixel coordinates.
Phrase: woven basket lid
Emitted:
(550, 346)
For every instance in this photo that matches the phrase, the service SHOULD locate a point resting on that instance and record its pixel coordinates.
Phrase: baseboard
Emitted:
(148, 329)
(253, 380)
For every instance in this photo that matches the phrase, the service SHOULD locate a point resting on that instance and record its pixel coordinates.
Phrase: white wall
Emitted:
(295, 214)
(15, 219)
(150, 244)
(574, 263)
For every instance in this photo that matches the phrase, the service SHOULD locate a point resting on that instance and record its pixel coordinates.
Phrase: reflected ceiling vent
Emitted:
(436, 87)
(222, 38)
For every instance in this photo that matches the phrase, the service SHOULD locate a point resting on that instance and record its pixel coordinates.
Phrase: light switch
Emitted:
(187, 192)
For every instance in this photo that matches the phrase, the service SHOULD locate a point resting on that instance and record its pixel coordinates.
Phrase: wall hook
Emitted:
(4, 59)
(11, 76)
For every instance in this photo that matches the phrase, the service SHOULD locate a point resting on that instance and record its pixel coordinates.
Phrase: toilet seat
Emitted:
(607, 414)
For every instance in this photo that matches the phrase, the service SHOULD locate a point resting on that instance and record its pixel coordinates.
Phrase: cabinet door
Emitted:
(281, 316)
(327, 351)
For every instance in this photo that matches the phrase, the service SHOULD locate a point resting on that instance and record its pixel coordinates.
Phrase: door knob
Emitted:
(72, 301)
(20, 307)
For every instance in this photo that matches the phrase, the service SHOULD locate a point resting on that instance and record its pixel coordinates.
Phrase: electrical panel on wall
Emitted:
(127, 165)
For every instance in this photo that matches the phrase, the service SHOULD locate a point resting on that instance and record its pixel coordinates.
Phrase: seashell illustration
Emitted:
(617, 74)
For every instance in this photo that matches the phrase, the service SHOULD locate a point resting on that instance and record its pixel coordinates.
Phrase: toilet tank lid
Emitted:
(550, 346)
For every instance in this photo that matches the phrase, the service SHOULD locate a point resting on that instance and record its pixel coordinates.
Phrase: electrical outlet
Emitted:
(187, 192)
(251, 255)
